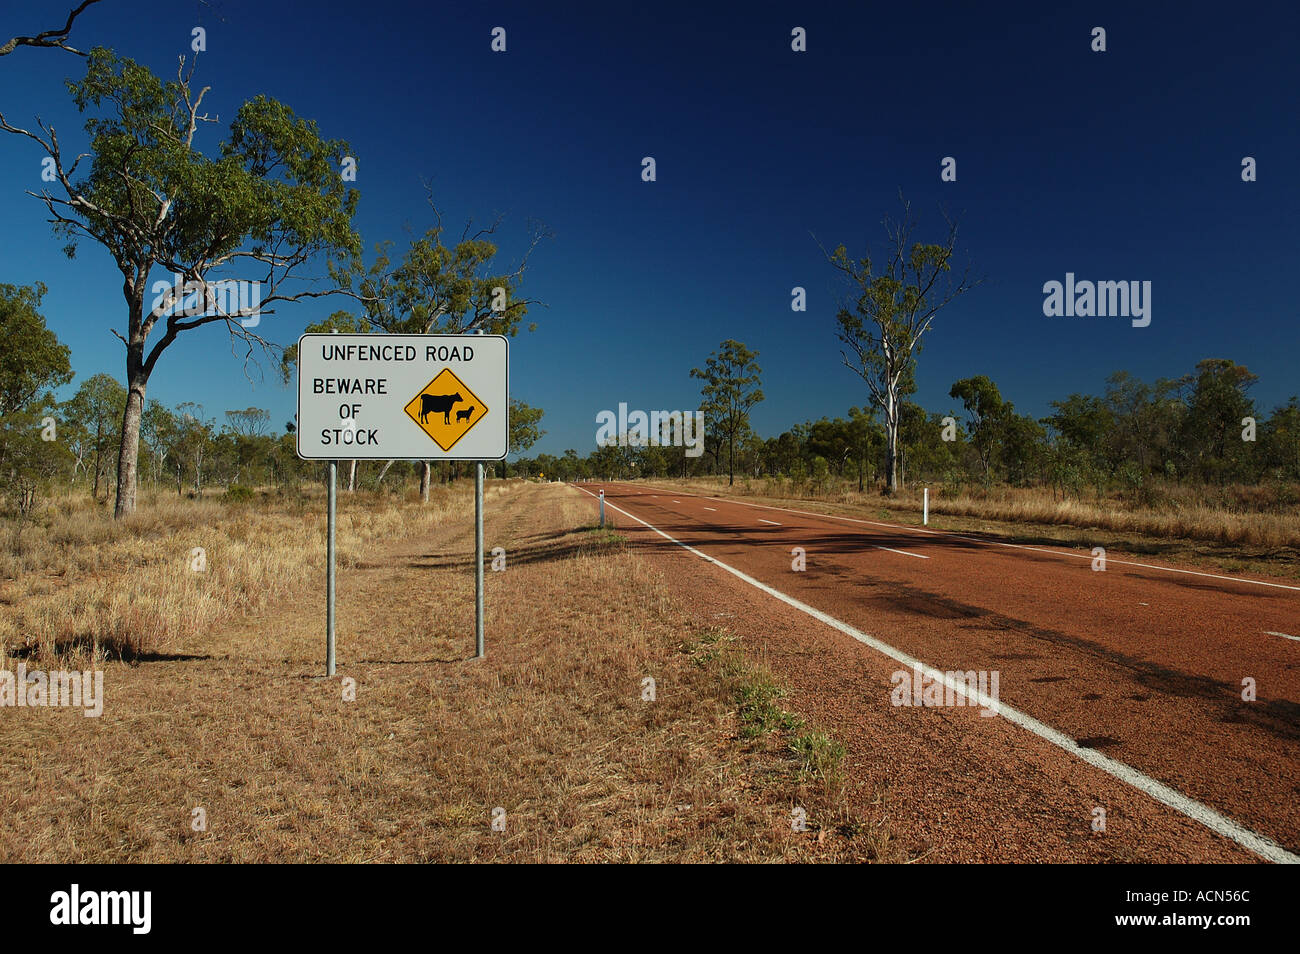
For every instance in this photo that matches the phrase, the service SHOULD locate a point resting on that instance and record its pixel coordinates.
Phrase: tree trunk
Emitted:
(382, 473)
(352, 477)
(127, 459)
(137, 377)
(891, 449)
(426, 475)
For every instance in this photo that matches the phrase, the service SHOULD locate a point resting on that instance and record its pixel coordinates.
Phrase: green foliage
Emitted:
(1280, 441)
(92, 420)
(269, 201)
(524, 432)
(340, 322)
(1209, 438)
(445, 289)
(32, 359)
(756, 699)
(819, 755)
(731, 376)
(891, 310)
(29, 461)
(986, 414)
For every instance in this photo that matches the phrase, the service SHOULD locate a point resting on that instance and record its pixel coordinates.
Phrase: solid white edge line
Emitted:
(1269, 632)
(1265, 847)
(772, 522)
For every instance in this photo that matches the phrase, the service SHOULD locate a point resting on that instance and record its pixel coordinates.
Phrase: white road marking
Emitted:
(920, 556)
(714, 509)
(772, 522)
(1014, 546)
(1261, 845)
(676, 501)
(1269, 632)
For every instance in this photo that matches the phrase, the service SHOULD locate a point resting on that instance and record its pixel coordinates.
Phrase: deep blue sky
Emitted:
(1115, 166)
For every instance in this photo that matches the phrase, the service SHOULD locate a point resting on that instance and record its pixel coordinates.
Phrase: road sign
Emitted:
(432, 409)
(403, 397)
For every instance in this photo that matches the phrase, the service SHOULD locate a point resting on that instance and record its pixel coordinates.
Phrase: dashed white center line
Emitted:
(676, 501)
(714, 509)
(919, 556)
(1269, 632)
(772, 522)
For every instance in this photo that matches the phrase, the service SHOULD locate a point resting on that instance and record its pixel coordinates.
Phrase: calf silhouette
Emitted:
(438, 404)
(464, 415)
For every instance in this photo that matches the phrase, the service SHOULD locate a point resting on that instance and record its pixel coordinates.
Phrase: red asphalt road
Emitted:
(1143, 664)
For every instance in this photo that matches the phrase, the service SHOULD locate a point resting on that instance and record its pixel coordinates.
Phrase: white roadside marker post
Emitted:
(925, 508)
(602, 508)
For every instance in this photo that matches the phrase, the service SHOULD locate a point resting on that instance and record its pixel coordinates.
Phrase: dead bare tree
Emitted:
(49, 38)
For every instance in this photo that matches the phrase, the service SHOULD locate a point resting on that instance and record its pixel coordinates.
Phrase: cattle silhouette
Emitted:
(465, 415)
(438, 404)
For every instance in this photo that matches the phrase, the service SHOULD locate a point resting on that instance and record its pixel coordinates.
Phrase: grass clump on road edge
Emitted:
(822, 758)
(755, 692)
(605, 535)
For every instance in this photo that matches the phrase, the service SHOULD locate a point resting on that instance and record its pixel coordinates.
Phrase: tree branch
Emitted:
(49, 38)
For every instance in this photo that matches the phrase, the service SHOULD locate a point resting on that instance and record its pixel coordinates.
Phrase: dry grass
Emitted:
(62, 580)
(551, 728)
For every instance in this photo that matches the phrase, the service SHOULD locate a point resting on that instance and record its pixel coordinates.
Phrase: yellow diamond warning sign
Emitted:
(446, 409)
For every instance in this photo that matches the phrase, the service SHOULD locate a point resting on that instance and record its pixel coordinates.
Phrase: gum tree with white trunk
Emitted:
(267, 203)
(891, 309)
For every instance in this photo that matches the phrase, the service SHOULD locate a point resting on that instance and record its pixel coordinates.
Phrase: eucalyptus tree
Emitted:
(447, 289)
(731, 376)
(266, 204)
(892, 308)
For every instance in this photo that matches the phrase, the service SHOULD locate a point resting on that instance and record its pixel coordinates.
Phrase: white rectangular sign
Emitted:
(403, 397)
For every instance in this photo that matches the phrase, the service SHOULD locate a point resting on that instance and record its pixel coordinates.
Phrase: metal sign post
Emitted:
(403, 397)
(329, 573)
(480, 652)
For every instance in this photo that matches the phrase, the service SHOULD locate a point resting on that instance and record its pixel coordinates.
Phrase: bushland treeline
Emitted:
(1200, 428)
